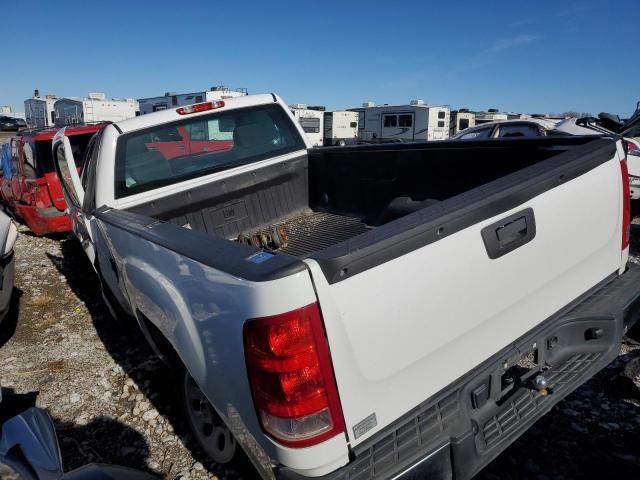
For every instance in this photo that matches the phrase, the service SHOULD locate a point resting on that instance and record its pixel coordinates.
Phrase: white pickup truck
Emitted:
(375, 311)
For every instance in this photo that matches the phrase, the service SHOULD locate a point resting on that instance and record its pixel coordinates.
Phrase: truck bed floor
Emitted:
(315, 231)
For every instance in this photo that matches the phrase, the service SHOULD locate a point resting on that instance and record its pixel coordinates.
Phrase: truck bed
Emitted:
(328, 201)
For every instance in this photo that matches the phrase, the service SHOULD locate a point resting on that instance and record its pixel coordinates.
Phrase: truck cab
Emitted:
(29, 183)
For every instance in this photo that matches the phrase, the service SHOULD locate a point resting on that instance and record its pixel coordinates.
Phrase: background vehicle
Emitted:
(94, 108)
(313, 295)
(8, 236)
(172, 100)
(29, 450)
(533, 127)
(39, 111)
(9, 124)
(414, 122)
(312, 122)
(29, 184)
(340, 128)
(461, 120)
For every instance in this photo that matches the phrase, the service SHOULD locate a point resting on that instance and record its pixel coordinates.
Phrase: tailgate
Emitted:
(403, 329)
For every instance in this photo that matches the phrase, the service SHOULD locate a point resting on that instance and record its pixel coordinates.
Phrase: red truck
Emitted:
(29, 184)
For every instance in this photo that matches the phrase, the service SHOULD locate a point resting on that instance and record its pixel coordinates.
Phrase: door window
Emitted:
(518, 131)
(65, 175)
(476, 134)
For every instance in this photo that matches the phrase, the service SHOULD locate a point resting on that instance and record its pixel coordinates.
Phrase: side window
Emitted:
(390, 120)
(507, 131)
(440, 123)
(476, 134)
(65, 174)
(464, 123)
(199, 99)
(441, 115)
(88, 154)
(174, 100)
(405, 120)
(29, 161)
(88, 174)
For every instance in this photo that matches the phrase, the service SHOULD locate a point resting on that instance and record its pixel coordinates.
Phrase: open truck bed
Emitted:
(306, 205)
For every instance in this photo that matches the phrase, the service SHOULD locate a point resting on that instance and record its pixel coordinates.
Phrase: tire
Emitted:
(208, 429)
(342, 143)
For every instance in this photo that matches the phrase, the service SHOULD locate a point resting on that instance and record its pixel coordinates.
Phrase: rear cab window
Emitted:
(173, 152)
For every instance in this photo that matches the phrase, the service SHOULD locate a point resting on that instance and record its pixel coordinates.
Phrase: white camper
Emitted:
(340, 128)
(461, 120)
(39, 111)
(311, 121)
(171, 99)
(491, 115)
(413, 122)
(94, 108)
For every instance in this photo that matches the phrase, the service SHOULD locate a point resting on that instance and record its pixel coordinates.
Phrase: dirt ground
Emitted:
(113, 402)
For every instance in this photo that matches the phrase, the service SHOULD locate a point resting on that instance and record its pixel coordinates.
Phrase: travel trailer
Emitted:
(94, 108)
(413, 122)
(312, 122)
(460, 120)
(171, 99)
(39, 111)
(491, 115)
(340, 128)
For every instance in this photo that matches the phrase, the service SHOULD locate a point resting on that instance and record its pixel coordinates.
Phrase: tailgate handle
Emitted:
(509, 233)
(512, 232)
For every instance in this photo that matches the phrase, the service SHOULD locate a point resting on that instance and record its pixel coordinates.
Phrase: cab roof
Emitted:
(40, 134)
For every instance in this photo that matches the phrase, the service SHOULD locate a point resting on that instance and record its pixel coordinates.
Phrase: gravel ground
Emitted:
(112, 402)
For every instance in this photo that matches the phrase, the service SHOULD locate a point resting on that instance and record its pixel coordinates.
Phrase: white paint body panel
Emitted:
(404, 330)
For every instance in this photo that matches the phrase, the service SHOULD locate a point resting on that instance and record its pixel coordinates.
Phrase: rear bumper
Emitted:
(461, 429)
(42, 221)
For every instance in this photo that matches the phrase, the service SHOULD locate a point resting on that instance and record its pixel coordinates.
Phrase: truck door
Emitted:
(73, 189)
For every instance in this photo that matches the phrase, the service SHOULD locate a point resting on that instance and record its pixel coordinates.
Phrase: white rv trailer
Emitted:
(39, 111)
(413, 122)
(460, 120)
(340, 128)
(491, 115)
(94, 108)
(170, 99)
(311, 121)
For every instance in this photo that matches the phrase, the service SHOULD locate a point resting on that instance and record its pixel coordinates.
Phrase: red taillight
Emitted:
(626, 207)
(291, 377)
(632, 148)
(199, 107)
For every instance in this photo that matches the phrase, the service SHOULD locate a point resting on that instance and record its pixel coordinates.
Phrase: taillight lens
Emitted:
(291, 377)
(199, 107)
(626, 207)
(632, 148)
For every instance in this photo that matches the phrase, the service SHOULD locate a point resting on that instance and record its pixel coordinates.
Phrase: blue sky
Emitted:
(540, 56)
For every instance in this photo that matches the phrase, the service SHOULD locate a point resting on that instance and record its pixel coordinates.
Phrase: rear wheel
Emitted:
(211, 433)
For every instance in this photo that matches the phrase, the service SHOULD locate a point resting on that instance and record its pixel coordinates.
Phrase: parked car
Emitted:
(362, 311)
(8, 236)
(29, 185)
(8, 124)
(534, 127)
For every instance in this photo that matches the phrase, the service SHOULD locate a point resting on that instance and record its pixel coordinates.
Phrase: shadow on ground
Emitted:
(126, 345)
